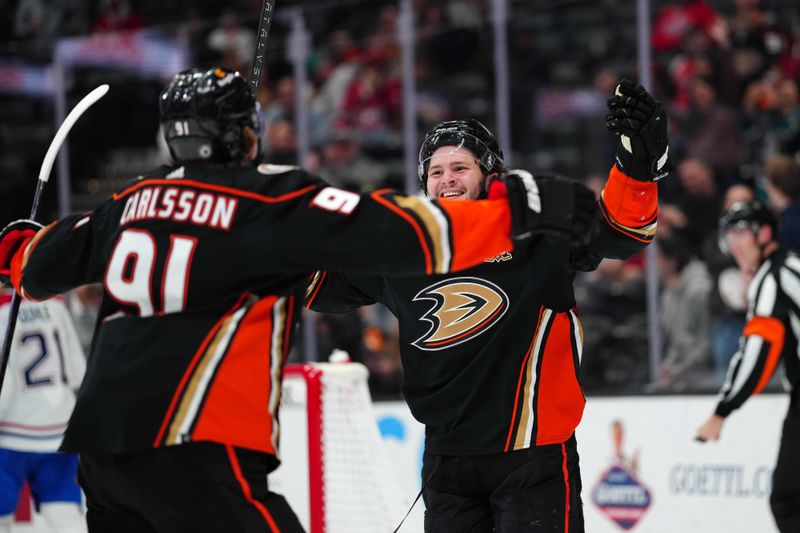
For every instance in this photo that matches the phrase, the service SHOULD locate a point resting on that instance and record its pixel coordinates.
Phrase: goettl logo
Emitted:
(618, 493)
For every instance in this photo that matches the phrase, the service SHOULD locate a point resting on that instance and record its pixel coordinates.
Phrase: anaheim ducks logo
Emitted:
(463, 309)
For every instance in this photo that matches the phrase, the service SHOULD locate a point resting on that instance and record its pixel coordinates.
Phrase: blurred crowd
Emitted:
(726, 70)
(730, 84)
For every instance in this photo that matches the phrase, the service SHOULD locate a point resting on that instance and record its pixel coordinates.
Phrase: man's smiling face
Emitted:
(454, 173)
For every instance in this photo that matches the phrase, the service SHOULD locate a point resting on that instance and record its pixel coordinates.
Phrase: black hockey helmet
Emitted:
(202, 115)
(466, 133)
(747, 215)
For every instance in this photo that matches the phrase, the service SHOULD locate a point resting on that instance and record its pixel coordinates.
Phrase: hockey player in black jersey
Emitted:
(770, 335)
(202, 264)
(491, 355)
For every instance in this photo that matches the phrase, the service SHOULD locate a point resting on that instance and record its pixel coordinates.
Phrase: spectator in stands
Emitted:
(282, 106)
(787, 121)
(345, 165)
(343, 332)
(117, 15)
(613, 311)
(727, 299)
(684, 315)
(371, 105)
(281, 142)
(335, 73)
(710, 131)
(771, 115)
(782, 181)
(756, 42)
(692, 209)
(700, 57)
(233, 42)
(674, 21)
(382, 358)
(384, 42)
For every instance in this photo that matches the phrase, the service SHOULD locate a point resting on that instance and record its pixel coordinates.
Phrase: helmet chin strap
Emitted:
(485, 185)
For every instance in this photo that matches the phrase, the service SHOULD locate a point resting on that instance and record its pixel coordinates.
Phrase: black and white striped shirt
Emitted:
(771, 332)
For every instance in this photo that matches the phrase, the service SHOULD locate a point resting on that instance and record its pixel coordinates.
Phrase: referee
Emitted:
(770, 333)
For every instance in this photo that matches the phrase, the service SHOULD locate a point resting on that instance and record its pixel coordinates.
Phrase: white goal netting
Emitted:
(335, 471)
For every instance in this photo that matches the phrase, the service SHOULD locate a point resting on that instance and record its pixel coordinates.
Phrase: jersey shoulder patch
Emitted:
(266, 168)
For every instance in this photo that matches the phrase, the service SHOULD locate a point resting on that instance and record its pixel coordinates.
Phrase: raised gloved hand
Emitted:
(641, 123)
(546, 203)
(14, 236)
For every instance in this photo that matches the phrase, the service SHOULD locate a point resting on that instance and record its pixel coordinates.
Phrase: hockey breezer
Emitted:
(491, 356)
(203, 265)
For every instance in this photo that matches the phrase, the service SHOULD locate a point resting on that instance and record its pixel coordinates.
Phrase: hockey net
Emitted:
(335, 471)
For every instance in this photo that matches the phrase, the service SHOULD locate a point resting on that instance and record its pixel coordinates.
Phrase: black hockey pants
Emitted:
(535, 490)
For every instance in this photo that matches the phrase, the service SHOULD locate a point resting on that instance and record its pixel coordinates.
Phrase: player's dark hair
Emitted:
(783, 172)
(677, 248)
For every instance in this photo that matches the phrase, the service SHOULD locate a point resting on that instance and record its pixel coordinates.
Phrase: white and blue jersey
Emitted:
(45, 369)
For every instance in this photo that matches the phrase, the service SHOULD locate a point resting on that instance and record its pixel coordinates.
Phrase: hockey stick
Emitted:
(44, 176)
(264, 24)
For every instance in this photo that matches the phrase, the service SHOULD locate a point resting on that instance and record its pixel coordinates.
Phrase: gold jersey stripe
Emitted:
(432, 227)
(527, 415)
(194, 389)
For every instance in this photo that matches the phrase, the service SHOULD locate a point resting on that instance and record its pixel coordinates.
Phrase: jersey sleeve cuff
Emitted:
(630, 203)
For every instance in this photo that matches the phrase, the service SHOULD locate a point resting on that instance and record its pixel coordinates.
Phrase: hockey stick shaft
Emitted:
(264, 24)
(44, 175)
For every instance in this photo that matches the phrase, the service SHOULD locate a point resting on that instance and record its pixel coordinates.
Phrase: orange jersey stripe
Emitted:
(630, 202)
(185, 379)
(773, 331)
(248, 495)
(472, 244)
(408, 218)
(218, 188)
(560, 399)
(521, 378)
(566, 486)
(237, 401)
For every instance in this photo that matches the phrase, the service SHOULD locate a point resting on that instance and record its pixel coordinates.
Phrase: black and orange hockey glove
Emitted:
(12, 238)
(641, 124)
(546, 203)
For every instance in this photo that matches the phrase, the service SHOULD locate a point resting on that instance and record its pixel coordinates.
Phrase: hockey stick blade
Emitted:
(264, 23)
(61, 134)
(44, 175)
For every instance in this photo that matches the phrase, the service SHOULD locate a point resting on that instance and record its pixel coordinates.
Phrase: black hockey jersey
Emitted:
(491, 355)
(202, 267)
(770, 334)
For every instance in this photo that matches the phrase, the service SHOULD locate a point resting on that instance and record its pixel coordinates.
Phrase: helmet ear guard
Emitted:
(187, 141)
(203, 115)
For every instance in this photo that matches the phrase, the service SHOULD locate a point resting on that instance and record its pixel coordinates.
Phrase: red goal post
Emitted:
(335, 470)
